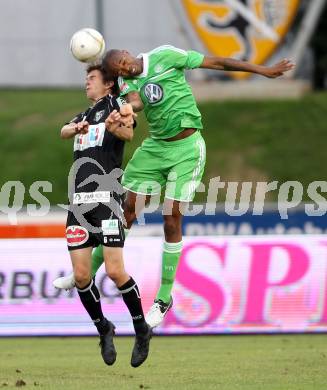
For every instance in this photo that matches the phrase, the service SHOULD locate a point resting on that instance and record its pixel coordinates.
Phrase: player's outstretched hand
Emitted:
(82, 127)
(279, 69)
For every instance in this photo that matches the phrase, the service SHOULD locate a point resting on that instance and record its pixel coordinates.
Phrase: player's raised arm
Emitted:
(71, 129)
(135, 100)
(232, 65)
(115, 125)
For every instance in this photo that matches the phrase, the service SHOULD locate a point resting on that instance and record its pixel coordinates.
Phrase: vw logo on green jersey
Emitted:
(153, 92)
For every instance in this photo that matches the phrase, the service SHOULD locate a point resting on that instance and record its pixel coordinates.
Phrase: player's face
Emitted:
(125, 65)
(94, 85)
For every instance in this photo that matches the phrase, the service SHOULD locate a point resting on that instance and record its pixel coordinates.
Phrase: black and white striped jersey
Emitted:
(98, 152)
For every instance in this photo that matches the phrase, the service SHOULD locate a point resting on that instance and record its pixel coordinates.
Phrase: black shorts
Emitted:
(99, 226)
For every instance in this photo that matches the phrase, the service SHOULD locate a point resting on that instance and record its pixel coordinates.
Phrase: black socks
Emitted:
(90, 298)
(132, 299)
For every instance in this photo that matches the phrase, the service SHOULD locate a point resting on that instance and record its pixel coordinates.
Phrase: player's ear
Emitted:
(109, 85)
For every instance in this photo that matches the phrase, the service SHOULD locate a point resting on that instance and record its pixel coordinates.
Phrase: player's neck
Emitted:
(96, 99)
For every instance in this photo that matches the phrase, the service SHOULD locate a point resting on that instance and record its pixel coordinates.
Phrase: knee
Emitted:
(82, 276)
(115, 274)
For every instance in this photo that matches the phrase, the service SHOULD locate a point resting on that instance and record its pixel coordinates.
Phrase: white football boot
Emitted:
(65, 282)
(157, 312)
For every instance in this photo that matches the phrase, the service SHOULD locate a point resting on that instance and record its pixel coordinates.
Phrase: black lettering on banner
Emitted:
(72, 293)
(2, 282)
(21, 287)
(44, 282)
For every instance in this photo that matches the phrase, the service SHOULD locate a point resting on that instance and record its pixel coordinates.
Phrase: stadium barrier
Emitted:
(232, 284)
(218, 223)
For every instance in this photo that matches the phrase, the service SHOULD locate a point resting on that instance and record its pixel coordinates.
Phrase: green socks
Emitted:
(97, 259)
(170, 258)
(97, 256)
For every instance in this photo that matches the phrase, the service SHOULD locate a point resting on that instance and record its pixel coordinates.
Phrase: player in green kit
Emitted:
(174, 155)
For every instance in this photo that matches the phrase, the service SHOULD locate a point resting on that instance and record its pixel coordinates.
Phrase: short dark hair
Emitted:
(110, 59)
(111, 56)
(106, 77)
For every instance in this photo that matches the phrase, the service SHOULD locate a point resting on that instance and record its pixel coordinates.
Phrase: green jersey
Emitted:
(169, 104)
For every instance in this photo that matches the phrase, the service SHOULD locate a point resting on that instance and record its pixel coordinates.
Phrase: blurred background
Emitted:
(265, 272)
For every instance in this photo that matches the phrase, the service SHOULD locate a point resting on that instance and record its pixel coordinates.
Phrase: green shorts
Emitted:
(177, 165)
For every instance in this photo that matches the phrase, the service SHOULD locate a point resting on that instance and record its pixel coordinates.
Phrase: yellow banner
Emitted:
(249, 30)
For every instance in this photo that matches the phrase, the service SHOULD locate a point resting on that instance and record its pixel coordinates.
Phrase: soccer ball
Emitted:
(87, 45)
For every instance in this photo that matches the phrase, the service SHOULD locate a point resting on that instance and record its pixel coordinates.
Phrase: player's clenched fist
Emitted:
(82, 127)
(120, 126)
(113, 121)
(126, 109)
(127, 115)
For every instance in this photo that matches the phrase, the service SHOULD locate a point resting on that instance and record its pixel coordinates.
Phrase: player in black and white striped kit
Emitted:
(95, 213)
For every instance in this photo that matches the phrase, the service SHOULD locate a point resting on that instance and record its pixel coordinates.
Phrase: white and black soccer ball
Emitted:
(87, 45)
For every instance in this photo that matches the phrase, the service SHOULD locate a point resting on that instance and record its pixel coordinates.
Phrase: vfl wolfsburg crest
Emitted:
(249, 30)
(153, 93)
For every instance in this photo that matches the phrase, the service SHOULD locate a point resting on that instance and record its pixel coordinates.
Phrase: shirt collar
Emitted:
(145, 58)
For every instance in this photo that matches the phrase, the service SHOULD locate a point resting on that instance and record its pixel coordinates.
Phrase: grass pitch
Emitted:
(246, 140)
(284, 362)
